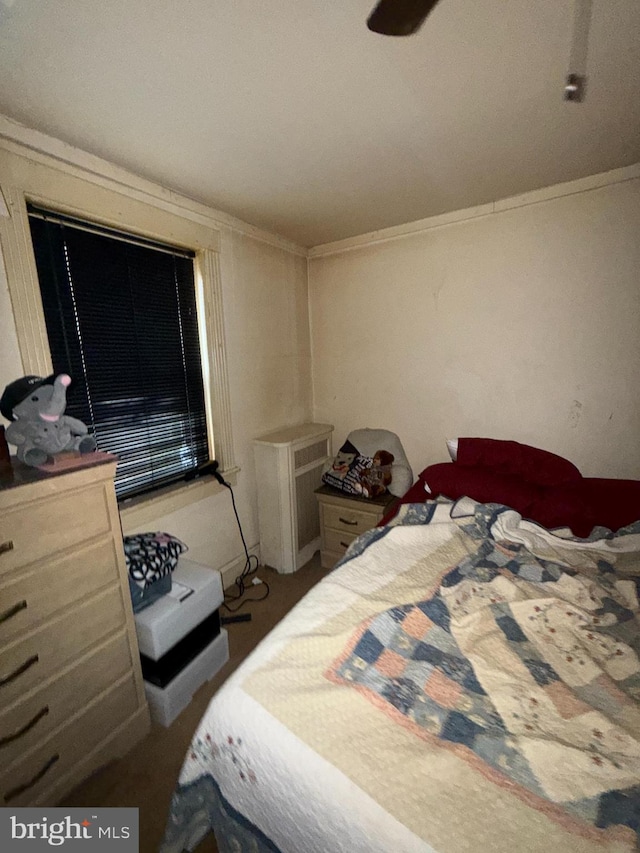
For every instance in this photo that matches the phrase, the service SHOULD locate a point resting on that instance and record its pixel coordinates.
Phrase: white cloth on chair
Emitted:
(368, 441)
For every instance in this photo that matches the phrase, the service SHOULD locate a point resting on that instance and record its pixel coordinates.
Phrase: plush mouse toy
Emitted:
(39, 428)
(375, 479)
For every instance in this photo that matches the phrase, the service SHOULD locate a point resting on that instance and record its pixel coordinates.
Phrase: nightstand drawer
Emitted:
(343, 518)
(31, 720)
(349, 520)
(337, 541)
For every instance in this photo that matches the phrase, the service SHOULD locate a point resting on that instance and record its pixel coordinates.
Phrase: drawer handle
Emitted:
(21, 605)
(16, 672)
(20, 789)
(10, 738)
(6, 546)
(344, 521)
(345, 544)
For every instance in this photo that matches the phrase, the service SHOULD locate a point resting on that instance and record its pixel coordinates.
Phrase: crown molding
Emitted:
(398, 232)
(55, 153)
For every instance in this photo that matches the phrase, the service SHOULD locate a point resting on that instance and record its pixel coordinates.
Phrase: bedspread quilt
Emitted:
(463, 680)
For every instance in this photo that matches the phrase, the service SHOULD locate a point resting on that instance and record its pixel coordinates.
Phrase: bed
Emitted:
(466, 678)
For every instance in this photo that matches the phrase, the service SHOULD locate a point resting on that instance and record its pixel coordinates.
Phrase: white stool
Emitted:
(181, 642)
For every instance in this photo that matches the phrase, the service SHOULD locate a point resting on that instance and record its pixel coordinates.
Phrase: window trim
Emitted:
(22, 181)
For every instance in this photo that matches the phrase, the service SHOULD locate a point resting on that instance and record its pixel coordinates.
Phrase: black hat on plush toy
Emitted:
(15, 392)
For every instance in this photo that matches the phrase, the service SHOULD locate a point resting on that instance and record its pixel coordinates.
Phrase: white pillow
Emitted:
(452, 447)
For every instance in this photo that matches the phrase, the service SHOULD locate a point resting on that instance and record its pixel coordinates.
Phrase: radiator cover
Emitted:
(289, 467)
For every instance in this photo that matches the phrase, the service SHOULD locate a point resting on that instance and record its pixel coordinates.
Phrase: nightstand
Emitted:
(343, 518)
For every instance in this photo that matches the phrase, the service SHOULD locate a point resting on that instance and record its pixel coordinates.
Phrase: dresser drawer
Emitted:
(31, 719)
(36, 658)
(34, 595)
(42, 527)
(337, 541)
(22, 782)
(349, 520)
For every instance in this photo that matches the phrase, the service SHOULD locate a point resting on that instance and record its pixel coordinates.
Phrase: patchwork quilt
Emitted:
(463, 680)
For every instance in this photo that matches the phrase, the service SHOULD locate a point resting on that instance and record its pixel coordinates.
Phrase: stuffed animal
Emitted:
(39, 428)
(344, 459)
(375, 479)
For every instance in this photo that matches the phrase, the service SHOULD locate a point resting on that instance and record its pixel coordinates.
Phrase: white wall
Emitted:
(521, 324)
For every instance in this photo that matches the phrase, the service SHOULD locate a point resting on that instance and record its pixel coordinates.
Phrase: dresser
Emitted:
(71, 691)
(343, 518)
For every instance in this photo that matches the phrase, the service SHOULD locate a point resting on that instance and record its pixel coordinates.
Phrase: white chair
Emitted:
(368, 441)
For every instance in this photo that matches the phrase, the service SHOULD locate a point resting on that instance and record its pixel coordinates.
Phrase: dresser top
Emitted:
(21, 475)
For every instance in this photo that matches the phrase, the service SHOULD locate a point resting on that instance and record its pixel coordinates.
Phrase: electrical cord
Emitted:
(251, 565)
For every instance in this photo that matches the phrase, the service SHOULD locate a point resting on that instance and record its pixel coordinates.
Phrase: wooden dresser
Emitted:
(71, 692)
(343, 518)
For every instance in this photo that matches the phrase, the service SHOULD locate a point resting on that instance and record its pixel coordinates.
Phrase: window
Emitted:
(130, 205)
(121, 318)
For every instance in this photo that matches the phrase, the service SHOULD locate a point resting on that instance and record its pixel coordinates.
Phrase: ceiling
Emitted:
(292, 116)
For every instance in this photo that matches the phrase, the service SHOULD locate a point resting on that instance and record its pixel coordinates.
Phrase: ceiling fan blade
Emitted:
(399, 17)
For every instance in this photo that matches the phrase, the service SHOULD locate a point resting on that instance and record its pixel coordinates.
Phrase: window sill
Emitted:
(139, 512)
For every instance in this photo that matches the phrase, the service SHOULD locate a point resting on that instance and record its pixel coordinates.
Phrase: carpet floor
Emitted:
(146, 776)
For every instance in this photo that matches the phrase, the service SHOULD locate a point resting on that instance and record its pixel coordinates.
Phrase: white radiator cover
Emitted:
(289, 467)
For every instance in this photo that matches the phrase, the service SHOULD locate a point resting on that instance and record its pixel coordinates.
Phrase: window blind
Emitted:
(121, 320)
